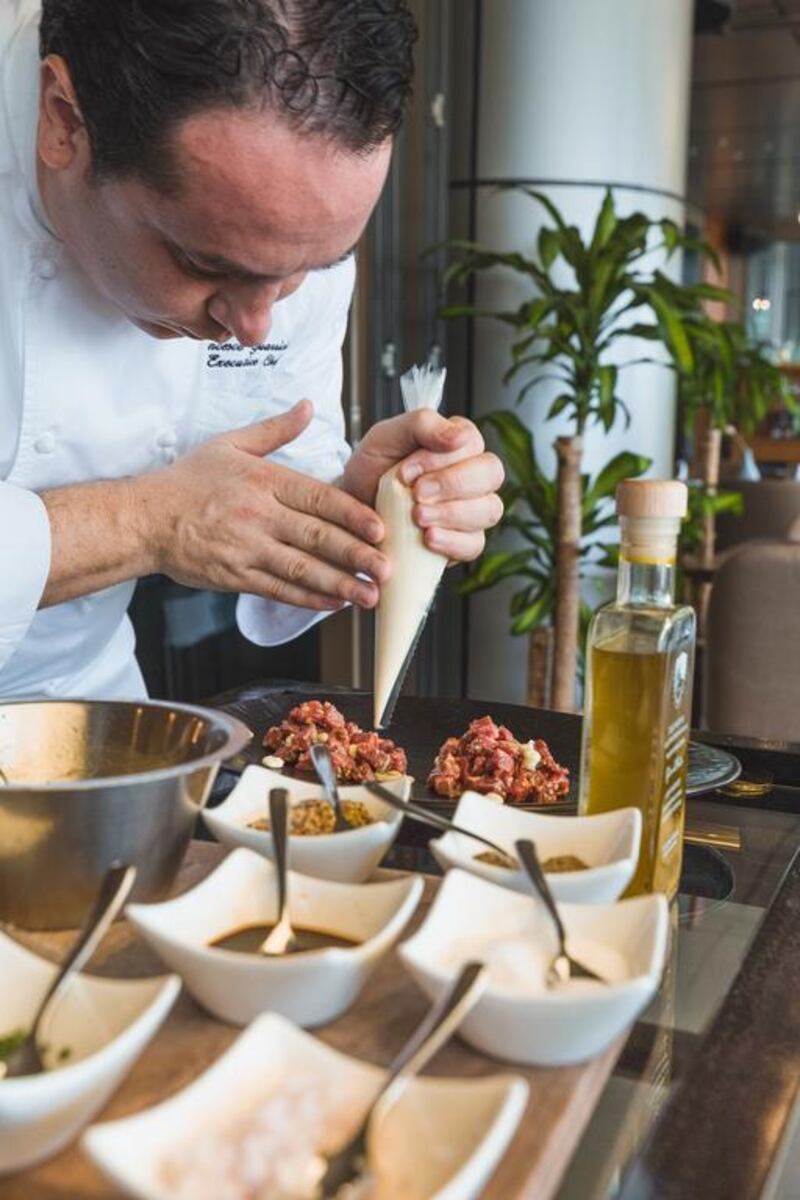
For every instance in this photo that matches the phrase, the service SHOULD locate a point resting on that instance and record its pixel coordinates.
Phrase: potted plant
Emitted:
(732, 387)
(567, 332)
(531, 509)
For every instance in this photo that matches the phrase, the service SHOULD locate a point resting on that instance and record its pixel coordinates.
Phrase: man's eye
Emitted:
(194, 269)
(204, 272)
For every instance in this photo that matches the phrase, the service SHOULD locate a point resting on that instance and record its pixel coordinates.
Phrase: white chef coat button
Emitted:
(47, 269)
(45, 443)
(169, 456)
(167, 439)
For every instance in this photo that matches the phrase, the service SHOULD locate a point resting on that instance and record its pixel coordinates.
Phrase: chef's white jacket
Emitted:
(85, 395)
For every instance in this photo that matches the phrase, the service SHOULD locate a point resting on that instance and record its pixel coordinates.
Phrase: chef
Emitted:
(181, 190)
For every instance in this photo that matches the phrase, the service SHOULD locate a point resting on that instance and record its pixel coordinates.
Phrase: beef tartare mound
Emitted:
(358, 756)
(488, 758)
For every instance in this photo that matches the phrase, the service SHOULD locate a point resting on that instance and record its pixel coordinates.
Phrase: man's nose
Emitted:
(247, 312)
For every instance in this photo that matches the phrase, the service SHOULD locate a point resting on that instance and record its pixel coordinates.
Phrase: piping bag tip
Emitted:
(383, 713)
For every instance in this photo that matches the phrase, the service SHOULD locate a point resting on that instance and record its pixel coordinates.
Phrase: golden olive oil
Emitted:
(640, 659)
(638, 757)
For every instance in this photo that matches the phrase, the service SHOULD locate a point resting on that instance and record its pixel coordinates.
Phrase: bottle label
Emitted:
(675, 765)
(675, 747)
(680, 678)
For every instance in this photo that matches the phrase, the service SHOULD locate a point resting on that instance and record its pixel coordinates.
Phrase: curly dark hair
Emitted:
(340, 68)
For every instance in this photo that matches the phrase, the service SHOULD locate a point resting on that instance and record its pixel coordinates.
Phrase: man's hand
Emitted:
(454, 478)
(224, 518)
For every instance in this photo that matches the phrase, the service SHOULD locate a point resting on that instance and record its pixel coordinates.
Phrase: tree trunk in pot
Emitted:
(568, 543)
(540, 666)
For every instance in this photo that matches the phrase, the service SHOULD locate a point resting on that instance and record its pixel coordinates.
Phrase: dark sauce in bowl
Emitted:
(248, 939)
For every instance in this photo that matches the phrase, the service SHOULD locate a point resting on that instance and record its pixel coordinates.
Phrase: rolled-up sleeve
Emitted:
(25, 554)
(311, 369)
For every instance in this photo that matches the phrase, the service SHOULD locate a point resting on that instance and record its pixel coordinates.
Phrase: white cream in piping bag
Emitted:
(416, 571)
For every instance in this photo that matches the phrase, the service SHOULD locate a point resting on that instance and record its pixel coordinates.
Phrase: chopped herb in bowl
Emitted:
(11, 1042)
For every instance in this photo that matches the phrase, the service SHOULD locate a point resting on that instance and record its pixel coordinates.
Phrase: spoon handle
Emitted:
(322, 763)
(114, 891)
(279, 827)
(526, 852)
(430, 818)
(441, 1021)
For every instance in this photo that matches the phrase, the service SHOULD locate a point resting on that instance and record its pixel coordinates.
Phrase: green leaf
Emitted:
(594, 521)
(609, 556)
(536, 613)
(532, 312)
(516, 444)
(605, 224)
(549, 246)
(531, 531)
(723, 502)
(559, 404)
(708, 291)
(492, 568)
(672, 328)
(671, 234)
(651, 332)
(607, 381)
(624, 465)
(520, 600)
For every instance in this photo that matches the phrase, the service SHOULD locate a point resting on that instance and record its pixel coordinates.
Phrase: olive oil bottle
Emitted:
(640, 663)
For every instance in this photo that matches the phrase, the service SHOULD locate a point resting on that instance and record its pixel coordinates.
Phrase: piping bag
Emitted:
(405, 598)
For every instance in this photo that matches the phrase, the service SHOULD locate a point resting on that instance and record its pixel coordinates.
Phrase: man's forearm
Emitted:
(98, 538)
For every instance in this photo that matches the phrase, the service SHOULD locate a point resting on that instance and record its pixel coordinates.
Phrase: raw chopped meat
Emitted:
(358, 756)
(488, 758)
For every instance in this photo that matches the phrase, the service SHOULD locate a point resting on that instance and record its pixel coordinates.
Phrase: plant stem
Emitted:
(540, 666)
(568, 541)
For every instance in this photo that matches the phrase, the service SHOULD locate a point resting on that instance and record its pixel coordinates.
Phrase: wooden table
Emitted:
(561, 1099)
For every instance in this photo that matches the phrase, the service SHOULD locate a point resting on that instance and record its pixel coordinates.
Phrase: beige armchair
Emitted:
(769, 507)
(752, 656)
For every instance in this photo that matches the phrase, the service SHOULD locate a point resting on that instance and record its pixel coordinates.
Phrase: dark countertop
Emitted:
(704, 1096)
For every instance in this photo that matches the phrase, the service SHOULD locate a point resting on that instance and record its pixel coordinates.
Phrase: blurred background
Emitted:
(688, 110)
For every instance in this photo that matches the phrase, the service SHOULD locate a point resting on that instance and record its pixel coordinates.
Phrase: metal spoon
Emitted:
(533, 868)
(281, 938)
(322, 762)
(430, 818)
(441, 1021)
(114, 891)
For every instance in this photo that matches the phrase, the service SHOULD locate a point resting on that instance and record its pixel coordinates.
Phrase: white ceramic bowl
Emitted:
(525, 1022)
(608, 843)
(104, 1023)
(313, 987)
(349, 857)
(458, 1128)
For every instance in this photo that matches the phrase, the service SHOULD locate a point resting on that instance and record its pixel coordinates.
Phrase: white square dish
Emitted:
(518, 1018)
(608, 843)
(349, 857)
(458, 1128)
(312, 987)
(102, 1024)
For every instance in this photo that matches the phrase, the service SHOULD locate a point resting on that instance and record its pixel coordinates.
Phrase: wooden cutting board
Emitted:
(560, 1104)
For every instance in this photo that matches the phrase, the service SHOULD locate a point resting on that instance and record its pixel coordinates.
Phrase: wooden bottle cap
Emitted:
(652, 498)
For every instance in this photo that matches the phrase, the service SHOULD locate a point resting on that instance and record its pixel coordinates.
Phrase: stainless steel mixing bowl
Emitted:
(83, 783)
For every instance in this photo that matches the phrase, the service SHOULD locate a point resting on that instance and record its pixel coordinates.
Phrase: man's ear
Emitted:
(61, 130)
